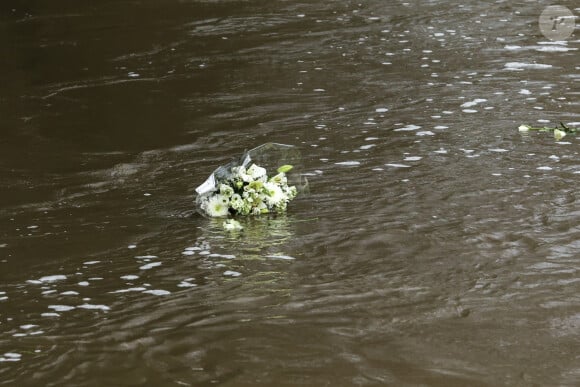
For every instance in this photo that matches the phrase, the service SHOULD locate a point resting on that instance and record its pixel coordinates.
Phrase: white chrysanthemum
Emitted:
(275, 195)
(236, 202)
(226, 190)
(217, 206)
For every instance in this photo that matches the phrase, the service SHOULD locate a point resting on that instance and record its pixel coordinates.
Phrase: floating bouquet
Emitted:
(244, 188)
(559, 131)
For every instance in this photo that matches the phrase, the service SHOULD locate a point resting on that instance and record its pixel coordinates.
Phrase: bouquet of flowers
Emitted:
(244, 187)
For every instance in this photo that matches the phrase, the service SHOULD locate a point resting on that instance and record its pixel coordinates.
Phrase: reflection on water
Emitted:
(437, 246)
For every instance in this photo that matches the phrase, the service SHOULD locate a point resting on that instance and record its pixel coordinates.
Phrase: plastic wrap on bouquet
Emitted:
(264, 180)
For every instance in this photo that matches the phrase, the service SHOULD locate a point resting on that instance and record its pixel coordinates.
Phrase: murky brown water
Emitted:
(438, 246)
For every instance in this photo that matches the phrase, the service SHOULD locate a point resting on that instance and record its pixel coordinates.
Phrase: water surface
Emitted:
(437, 246)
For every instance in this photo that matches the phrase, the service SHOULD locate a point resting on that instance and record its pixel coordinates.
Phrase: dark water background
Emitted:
(438, 246)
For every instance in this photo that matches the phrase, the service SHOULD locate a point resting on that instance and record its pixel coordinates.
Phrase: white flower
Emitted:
(559, 134)
(261, 208)
(241, 173)
(236, 202)
(226, 190)
(275, 195)
(217, 206)
(280, 179)
(256, 172)
(523, 128)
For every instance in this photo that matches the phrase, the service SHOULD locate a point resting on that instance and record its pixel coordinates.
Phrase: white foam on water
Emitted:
(232, 273)
(91, 262)
(519, 66)
(157, 292)
(545, 168)
(408, 128)
(69, 293)
(83, 283)
(280, 256)
(27, 327)
(470, 111)
(371, 138)
(132, 246)
(146, 257)
(150, 265)
(135, 289)
(412, 158)
(348, 163)
(476, 101)
(441, 127)
(525, 92)
(52, 278)
(366, 147)
(396, 165)
(94, 307)
(381, 110)
(129, 277)
(61, 308)
(226, 256)
(186, 284)
(425, 133)
(498, 150)
(49, 314)
(188, 252)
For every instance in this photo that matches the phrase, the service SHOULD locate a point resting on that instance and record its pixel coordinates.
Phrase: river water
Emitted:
(437, 246)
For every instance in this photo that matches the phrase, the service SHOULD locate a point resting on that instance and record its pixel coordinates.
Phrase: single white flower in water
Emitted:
(559, 134)
(217, 206)
(523, 128)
